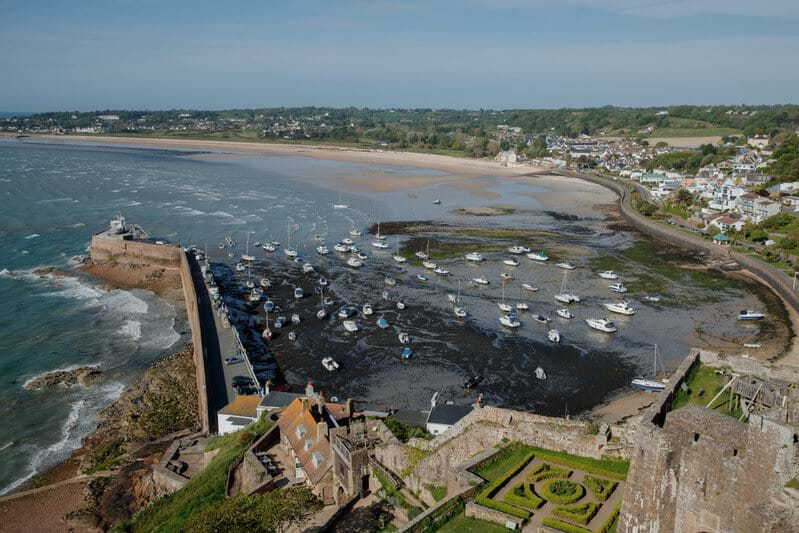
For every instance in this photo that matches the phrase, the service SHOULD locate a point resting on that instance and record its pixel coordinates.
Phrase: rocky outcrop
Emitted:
(79, 376)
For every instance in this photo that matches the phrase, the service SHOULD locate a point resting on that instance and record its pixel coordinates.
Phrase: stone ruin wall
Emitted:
(114, 249)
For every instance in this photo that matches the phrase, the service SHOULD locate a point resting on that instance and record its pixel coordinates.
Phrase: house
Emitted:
(442, 417)
(725, 223)
(758, 141)
(764, 209)
(274, 400)
(238, 414)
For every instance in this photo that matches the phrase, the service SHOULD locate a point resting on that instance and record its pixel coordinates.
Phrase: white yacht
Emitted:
(521, 306)
(474, 256)
(379, 244)
(350, 325)
(510, 321)
(502, 305)
(564, 296)
(553, 335)
(748, 314)
(540, 374)
(322, 250)
(403, 337)
(528, 287)
(421, 255)
(378, 235)
(480, 281)
(299, 294)
(268, 247)
(511, 262)
(564, 313)
(441, 271)
(255, 294)
(400, 305)
(650, 385)
(518, 250)
(617, 287)
(397, 257)
(601, 324)
(538, 256)
(622, 308)
(608, 274)
(329, 363)
(341, 247)
(367, 310)
(354, 262)
(355, 232)
(429, 264)
(347, 241)
(246, 255)
(565, 265)
(307, 268)
(460, 312)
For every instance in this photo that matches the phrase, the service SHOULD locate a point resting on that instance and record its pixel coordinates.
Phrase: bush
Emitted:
(610, 522)
(438, 493)
(545, 471)
(523, 495)
(602, 488)
(404, 432)
(485, 497)
(560, 525)
(562, 491)
(604, 467)
(582, 513)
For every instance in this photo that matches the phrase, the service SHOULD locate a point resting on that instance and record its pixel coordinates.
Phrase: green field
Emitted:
(692, 132)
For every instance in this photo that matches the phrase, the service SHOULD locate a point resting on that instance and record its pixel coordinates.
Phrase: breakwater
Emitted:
(776, 279)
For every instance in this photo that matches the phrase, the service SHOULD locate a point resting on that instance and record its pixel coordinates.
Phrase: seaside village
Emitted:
(717, 449)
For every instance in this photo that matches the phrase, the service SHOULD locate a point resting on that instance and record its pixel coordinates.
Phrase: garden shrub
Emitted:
(582, 513)
(562, 491)
(610, 522)
(523, 495)
(560, 525)
(615, 469)
(602, 488)
(546, 471)
(486, 496)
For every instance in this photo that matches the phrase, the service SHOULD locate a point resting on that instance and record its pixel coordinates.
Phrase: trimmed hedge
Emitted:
(560, 525)
(523, 495)
(604, 467)
(602, 488)
(549, 488)
(547, 471)
(582, 513)
(486, 496)
(610, 522)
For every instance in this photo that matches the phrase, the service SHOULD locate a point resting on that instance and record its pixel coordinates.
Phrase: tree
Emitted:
(684, 197)
(504, 145)
(713, 230)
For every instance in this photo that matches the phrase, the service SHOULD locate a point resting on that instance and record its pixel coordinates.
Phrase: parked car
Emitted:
(233, 360)
(239, 381)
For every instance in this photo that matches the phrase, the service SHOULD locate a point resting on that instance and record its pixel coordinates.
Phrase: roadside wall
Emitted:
(187, 265)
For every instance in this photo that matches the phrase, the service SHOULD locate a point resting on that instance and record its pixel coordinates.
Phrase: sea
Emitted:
(54, 196)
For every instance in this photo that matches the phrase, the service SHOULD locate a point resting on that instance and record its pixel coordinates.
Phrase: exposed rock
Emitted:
(84, 375)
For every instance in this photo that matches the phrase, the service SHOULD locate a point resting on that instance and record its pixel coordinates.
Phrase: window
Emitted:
(301, 431)
(318, 459)
(308, 444)
(696, 437)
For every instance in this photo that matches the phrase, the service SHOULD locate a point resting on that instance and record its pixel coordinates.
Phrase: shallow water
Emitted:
(54, 197)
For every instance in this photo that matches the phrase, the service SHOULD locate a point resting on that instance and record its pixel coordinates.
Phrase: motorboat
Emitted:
(295, 319)
(231, 255)
(460, 312)
(421, 277)
(538, 256)
(540, 374)
(521, 306)
(528, 287)
(382, 323)
(654, 299)
(268, 247)
(354, 262)
(323, 282)
(407, 353)
(429, 264)
(329, 364)
(299, 293)
(362, 256)
(403, 337)
(367, 310)
(355, 233)
(250, 284)
(346, 312)
(399, 259)
(380, 245)
(474, 256)
(564, 313)
(290, 252)
(307, 268)
(275, 243)
(328, 301)
(441, 271)
(510, 321)
(280, 322)
(265, 283)
(292, 335)
(553, 335)
(506, 276)
(748, 314)
(511, 262)
(505, 307)
(400, 305)
(472, 382)
(565, 265)
(390, 281)
(452, 298)
(350, 326)
(480, 281)
(269, 306)
(348, 241)
(437, 202)
(255, 294)
(617, 287)
(608, 274)
(518, 250)
(540, 318)
(240, 267)
(322, 250)
(341, 247)
(601, 324)
(622, 308)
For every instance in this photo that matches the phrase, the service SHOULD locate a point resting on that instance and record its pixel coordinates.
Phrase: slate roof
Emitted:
(276, 399)
(448, 414)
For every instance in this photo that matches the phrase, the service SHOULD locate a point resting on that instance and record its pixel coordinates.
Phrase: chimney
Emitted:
(321, 431)
(320, 402)
(267, 385)
(309, 389)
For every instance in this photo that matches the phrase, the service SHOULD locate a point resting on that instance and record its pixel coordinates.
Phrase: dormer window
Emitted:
(301, 431)
(318, 458)
(308, 444)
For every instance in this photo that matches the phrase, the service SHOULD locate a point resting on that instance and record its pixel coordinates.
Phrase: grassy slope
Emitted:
(703, 385)
(464, 524)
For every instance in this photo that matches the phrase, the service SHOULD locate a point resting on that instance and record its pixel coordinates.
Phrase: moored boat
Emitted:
(601, 324)
(748, 314)
(564, 313)
(538, 256)
(622, 308)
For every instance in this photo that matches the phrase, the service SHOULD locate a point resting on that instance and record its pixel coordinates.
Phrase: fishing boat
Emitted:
(538, 256)
(295, 319)
(511, 262)
(403, 337)
(347, 241)
(565, 265)
(441, 271)
(322, 250)
(564, 296)
(654, 299)
(341, 247)
(421, 277)
(474, 256)
(246, 256)
(355, 232)
(460, 312)
(553, 335)
(346, 312)
(540, 374)
(622, 308)
(288, 250)
(748, 314)
(329, 363)
(378, 235)
(350, 326)
(367, 310)
(601, 324)
(265, 283)
(299, 293)
(397, 257)
(429, 264)
(502, 305)
(354, 262)
(480, 281)
(650, 385)
(268, 247)
(617, 287)
(540, 318)
(608, 274)
(400, 305)
(528, 287)
(407, 353)
(382, 323)
(510, 321)
(307, 268)
(516, 249)
(564, 313)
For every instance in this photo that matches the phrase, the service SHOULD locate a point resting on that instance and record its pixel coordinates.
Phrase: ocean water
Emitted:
(54, 196)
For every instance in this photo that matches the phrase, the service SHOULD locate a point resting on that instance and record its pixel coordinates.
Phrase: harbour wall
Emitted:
(130, 253)
(776, 279)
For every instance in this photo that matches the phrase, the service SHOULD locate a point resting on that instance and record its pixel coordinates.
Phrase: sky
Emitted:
(499, 54)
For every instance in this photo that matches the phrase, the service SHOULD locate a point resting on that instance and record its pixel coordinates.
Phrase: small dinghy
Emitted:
(541, 318)
(400, 305)
(407, 353)
(329, 364)
(350, 326)
(403, 337)
(565, 313)
(553, 335)
(382, 323)
(540, 374)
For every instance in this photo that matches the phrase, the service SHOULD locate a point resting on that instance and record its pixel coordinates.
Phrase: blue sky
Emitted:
(159, 54)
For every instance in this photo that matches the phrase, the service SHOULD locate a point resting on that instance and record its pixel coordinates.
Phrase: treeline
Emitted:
(785, 166)
(692, 160)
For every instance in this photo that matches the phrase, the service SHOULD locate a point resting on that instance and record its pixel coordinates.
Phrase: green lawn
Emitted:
(703, 384)
(463, 524)
(692, 132)
(504, 461)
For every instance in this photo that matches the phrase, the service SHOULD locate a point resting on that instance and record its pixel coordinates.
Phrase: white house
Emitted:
(238, 414)
(443, 417)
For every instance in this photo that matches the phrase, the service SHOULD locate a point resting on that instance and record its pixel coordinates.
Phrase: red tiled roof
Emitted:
(305, 412)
